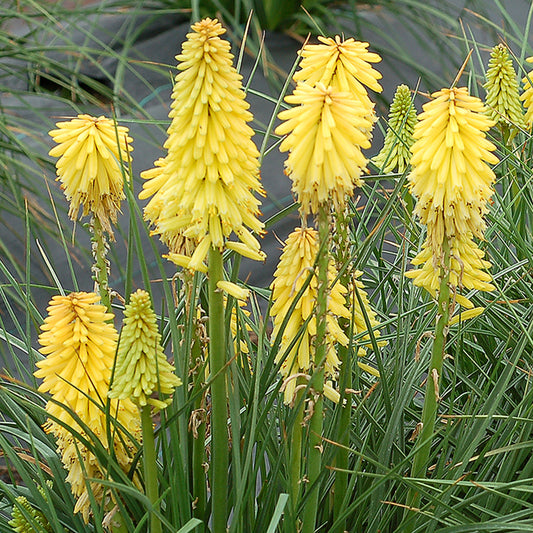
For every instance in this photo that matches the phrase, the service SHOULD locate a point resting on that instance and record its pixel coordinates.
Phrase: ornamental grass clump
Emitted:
(204, 187)
(396, 152)
(79, 345)
(503, 98)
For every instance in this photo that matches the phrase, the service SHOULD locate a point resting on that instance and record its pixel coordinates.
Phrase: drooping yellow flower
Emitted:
(92, 152)
(141, 368)
(503, 99)
(79, 343)
(396, 154)
(324, 142)
(527, 96)
(452, 182)
(296, 263)
(205, 187)
(344, 65)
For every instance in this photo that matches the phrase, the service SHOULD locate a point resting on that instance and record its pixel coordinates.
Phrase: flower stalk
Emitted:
(219, 403)
(316, 406)
(150, 467)
(432, 398)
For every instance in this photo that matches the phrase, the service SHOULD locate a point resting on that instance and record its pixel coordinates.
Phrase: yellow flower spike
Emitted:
(90, 165)
(503, 99)
(142, 369)
(204, 187)
(295, 265)
(395, 154)
(451, 177)
(324, 142)
(527, 96)
(79, 343)
(344, 65)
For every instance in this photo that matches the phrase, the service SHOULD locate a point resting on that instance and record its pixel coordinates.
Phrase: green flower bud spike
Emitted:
(142, 368)
(503, 99)
(395, 154)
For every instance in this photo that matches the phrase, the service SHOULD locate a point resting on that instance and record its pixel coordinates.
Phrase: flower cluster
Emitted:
(141, 368)
(331, 123)
(92, 152)
(453, 183)
(396, 154)
(79, 343)
(527, 96)
(203, 189)
(296, 264)
(503, 99)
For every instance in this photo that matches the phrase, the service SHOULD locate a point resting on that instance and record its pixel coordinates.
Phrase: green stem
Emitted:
(431, 399)
(343, 437)
(314, 457)
(199, 489)
(101, 264)
(219, 403)
(150, 467)
(296, 452)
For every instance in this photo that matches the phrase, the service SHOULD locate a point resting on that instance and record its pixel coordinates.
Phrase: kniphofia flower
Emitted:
(344, 65)
(324, 141)
(452, 182)
(92, 153)
(142, 369)
(396, 154)
(503, 99)
(296, 263)
(527, 96)
(205, 189)
(79, 343)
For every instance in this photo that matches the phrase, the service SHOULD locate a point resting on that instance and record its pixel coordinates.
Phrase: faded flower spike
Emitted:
(141, 368)
(503, 99)
(344, 65)
(92, 154)
(452, 182)
(296, 263)
(324, 141)
(527, 96)
(205, 188)
(395, 154)
(79, 343)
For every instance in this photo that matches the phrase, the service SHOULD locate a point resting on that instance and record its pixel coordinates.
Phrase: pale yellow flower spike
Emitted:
(295, 265)
(79, 343)
(142, 371)
(324, 141)
(89, 166)
(527, 96)
(453, 183)
(344, 65)
(204, 187)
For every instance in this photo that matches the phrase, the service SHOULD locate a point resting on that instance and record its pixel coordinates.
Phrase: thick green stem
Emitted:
(431, 399)
(101, 264)
(219, 402)
(296, 452)
(150, 467)
(314, 458)
(199, 489)
(343, 438)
